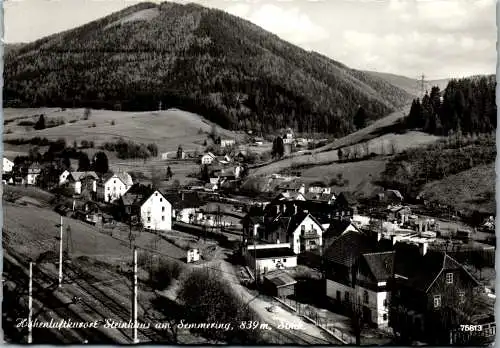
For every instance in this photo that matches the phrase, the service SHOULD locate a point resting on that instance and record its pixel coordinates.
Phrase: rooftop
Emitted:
(280, 278)
(271, 253)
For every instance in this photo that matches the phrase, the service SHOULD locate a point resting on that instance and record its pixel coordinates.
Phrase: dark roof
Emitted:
(347, 248)
(137, 195)
(420, 271)
(380, 264)
(280, 278)
(290, 223)
(272, 252)
(182, 200)
(337, 227)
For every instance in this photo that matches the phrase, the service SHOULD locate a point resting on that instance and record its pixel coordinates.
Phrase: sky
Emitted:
(437, 38)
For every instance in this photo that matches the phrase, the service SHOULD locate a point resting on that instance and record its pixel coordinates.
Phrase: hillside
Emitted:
(468, 191)
(200, 60)
(167, 129)
(410, 85)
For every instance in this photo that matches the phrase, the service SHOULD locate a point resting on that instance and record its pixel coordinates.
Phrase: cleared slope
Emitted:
(410, 85)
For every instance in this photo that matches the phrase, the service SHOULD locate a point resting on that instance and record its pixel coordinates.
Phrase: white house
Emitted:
(156, 212)
(8, 165)
(193, 255)
(227, 142)
(320, 189)
(305, 233)
(116, 186)
(34, 171)
(208, 158)
(270, 257)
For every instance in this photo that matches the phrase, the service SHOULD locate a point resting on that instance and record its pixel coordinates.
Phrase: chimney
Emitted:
(423, 248)
(182, 196)
(295, 209)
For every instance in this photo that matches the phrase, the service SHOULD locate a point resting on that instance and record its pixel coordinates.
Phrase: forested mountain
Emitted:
(198, 59)
(467, 106)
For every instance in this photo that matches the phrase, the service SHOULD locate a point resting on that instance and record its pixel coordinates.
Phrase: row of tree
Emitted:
(467, 105)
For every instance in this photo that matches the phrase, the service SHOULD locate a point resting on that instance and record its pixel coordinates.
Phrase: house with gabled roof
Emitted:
(208, 158)
(115, 185)
(374, 271)
(148, 206)
(345, 205)
(432, 293)
(79, 181)
(300, 229)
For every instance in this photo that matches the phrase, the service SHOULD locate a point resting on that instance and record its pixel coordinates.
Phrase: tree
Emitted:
(179, 152)
(40, 124)
(360, 118)
(83, 162)
(204, 173)
(75, 145)
(100, 164)
(278, 147)
(87, 113)
(169, 173)
(340, 154)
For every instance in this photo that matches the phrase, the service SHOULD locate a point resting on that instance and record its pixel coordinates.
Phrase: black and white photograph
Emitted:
(249, 172)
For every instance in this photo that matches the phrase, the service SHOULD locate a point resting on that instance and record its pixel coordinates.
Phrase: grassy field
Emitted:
(471, 190)
(168, 129)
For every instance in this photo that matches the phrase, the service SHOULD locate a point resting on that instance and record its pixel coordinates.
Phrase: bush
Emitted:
(113, 122)
(162, 275)
(210, 299)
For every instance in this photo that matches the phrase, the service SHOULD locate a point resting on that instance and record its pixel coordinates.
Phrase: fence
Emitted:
(311, 313)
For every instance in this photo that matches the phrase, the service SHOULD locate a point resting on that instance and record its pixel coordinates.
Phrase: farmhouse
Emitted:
(115, 186)
(208, 158)
(269, 257)
(227, 142)
(8, 165)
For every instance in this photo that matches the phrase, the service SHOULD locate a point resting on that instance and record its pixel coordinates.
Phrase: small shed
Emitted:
(193, 255)
(279, 283)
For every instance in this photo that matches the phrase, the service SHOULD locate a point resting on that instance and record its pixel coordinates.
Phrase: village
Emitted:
(338, 269)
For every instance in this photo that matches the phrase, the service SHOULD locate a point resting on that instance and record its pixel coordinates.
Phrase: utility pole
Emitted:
(134, 299)
(255, 227)
(60, 251)
(30, 304)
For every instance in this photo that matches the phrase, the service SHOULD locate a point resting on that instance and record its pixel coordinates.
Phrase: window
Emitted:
(162, 209)
(338, 295)
(302, 228)
(149, 218)
(449, 278)
(156, 193)
(284, 260)
(114, 181)
(161, 199)
(385, 303)
(365, 296)
(384, 317)
(162, 218)
(461, 296)
(437, 301)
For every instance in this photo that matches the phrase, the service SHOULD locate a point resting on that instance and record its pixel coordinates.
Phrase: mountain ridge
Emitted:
(200, 59)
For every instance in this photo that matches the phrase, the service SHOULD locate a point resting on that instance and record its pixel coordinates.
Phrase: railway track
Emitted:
(45, 294)
(123, 314)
